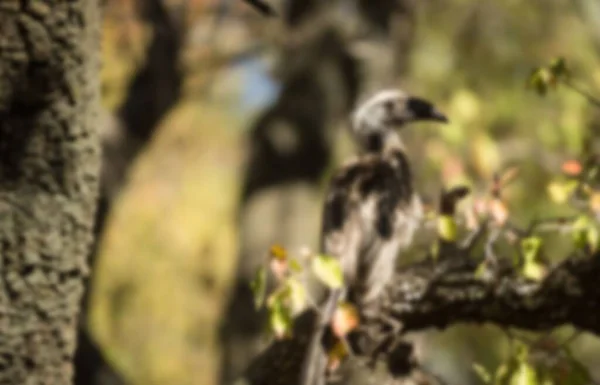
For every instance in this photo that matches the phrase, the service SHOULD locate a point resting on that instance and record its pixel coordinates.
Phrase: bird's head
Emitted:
(388, 110)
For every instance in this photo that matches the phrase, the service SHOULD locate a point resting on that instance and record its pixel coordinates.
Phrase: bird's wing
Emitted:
(366, 219)
(368, 215)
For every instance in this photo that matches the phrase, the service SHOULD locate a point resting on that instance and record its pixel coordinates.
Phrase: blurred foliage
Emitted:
(168, 254)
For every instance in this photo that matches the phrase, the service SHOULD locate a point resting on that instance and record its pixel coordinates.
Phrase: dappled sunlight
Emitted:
(169, 249)
(171, 242)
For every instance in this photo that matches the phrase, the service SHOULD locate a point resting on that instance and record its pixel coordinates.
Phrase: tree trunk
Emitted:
(49, 169)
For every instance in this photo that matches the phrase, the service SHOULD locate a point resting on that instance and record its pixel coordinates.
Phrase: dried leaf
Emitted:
(345, 319)
(279, 268)
(572, 168)
(595, 202)
(498, 211)
(278, 252)
(471, 219)
(481, 207)
(336, 355)
(508, 175)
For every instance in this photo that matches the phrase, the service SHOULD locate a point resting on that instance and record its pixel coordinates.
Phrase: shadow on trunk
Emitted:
(154, 90)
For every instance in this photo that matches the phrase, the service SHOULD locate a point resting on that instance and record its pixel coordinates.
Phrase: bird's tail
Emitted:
(315, 359)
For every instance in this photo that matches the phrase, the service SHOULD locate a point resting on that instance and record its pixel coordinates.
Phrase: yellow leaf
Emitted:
(595, 202)
(447, 228)
(328, 270)
(465, 105)
(534, 270)
(560, 191)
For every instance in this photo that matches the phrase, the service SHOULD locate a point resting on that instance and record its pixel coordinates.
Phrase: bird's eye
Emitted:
(389, 106)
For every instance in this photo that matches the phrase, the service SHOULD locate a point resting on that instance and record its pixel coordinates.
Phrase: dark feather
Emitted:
(261, 7)
(385, 177)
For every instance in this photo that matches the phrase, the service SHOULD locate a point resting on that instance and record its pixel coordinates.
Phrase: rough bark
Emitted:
(49, 169)
(153, 91)
(437, 295)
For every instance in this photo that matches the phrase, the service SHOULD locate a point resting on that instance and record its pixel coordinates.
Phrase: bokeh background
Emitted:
(221, 126)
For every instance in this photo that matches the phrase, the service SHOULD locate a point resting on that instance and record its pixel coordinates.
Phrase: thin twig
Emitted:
(592, 99)
(474, 236)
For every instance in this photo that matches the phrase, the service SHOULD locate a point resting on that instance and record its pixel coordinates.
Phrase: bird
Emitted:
(371, 210)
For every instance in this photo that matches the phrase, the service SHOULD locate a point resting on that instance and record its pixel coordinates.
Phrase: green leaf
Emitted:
(539, 80)
(280, 319)
(578, 374)
(447, 228)
(297, 294)
(482, 373)
(258, 285)
(532, 267)
(503, 372)
(328, 270)
(524, 374)
(585, 234)
(531, 247)
(295, 266)
(281, 294)
(558, 68)
(482, 271)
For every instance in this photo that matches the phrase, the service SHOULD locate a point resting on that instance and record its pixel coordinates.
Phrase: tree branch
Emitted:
(427, 295)
(439, 294)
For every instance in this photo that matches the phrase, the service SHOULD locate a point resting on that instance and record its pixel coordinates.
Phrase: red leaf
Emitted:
(572, 168)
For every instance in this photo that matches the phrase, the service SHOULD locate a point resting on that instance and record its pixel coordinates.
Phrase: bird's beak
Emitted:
(421, 109)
